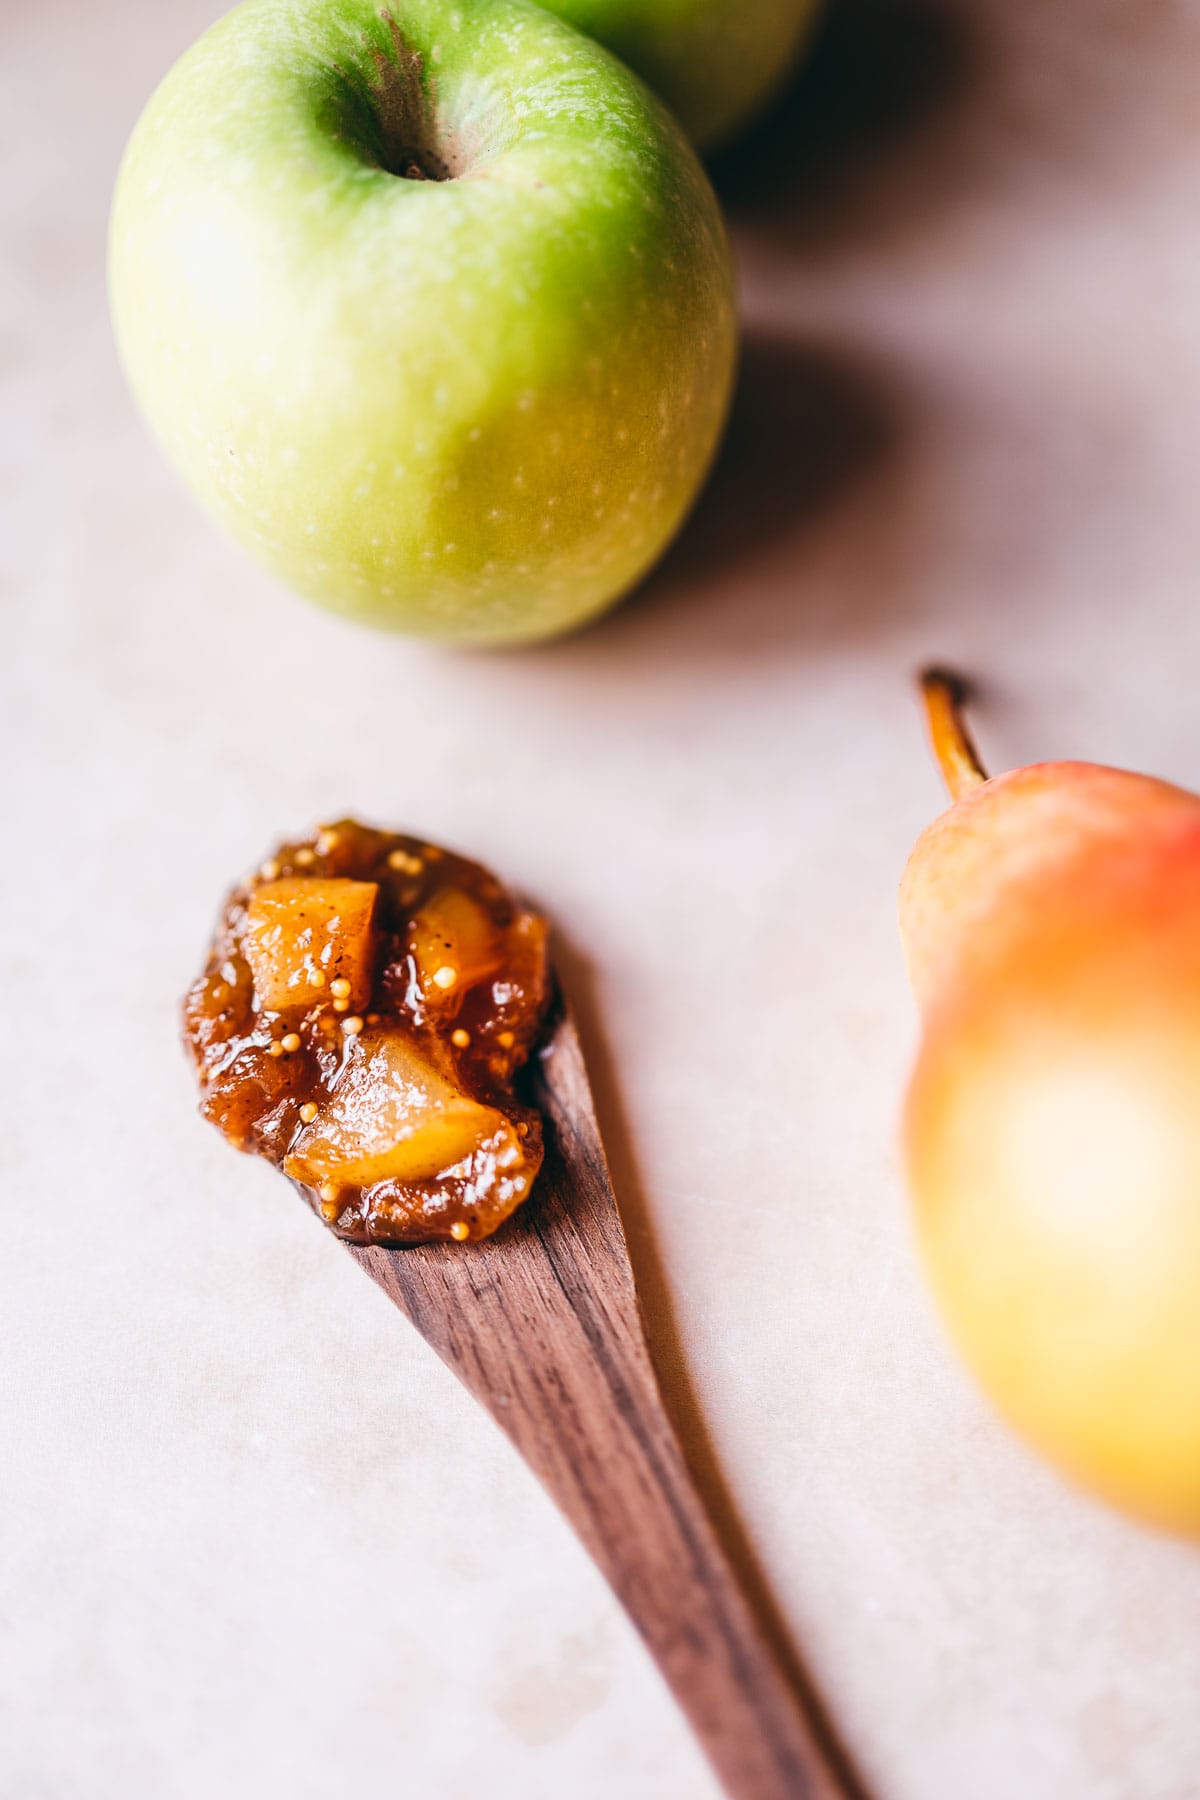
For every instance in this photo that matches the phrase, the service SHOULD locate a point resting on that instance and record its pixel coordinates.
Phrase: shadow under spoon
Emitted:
(541, 1323)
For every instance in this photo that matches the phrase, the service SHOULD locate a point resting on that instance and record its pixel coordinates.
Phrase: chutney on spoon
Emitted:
(368, 1002)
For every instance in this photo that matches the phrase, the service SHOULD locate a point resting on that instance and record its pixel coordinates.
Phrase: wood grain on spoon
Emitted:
(542, 1325)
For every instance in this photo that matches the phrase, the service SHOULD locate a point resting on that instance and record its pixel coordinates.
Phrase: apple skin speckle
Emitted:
(351, 368)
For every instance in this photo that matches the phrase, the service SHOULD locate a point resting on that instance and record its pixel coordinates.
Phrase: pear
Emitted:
(1051, 927)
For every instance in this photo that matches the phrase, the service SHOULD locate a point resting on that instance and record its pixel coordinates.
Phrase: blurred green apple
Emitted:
(432, 306)
(715, 62)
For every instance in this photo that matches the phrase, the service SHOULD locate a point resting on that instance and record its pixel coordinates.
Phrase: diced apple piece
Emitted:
(391, 1116)
(455, 945)
(305, 936)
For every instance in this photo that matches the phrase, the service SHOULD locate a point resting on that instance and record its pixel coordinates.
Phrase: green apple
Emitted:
(715, 62)
(432, 306)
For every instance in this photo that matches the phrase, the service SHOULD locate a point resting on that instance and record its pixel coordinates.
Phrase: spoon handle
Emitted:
(542, 1325)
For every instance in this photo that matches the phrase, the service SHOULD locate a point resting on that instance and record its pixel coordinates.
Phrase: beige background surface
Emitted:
(255, 1541)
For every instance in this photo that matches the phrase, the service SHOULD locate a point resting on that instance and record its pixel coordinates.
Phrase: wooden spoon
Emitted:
(542, 1325)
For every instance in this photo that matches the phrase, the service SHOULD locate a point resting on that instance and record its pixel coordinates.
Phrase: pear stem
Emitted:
(945, 694)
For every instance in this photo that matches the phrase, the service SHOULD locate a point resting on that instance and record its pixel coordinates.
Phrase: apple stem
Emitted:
(945, 694)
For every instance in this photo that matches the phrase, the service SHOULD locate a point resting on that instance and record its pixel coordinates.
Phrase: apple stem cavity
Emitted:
(944, 695)
(403, 123)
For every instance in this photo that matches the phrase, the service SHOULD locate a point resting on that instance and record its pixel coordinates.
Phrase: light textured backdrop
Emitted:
(255, 1541)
